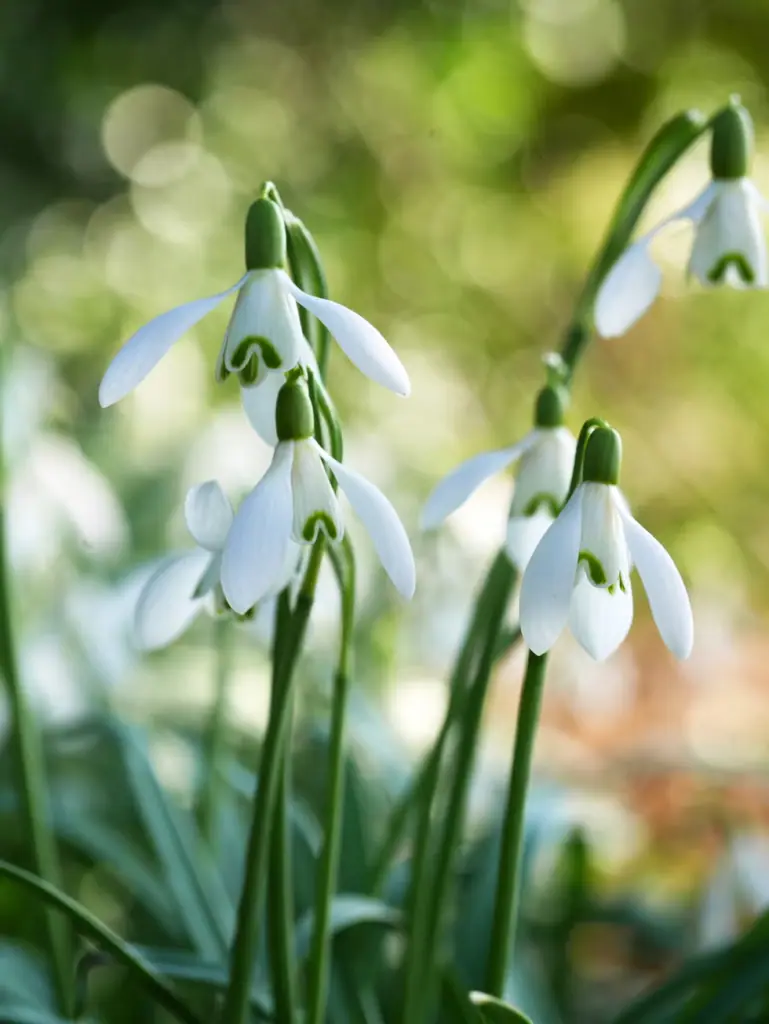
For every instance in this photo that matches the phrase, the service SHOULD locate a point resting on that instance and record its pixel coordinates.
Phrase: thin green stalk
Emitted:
(281, 901)
(431, 874)
(216, 733)
(328, 865)
(245, 946)
(508, 878)
(425, 778)
(33, 789)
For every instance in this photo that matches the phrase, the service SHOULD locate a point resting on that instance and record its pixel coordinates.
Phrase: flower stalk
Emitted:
(216, 733)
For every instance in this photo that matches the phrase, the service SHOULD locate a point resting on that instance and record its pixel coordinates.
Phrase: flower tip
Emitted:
(108, 393)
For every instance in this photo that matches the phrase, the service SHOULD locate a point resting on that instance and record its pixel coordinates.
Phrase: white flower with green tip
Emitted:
(264, 332)
(295, 500)
(729, 244)
(188, 583)
(579, 573)
(545, 462)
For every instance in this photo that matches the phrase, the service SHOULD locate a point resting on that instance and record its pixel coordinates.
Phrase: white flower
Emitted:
(580, 574)
(185, 584)
(729, 248)
(295, 499)
(260, 401)
(264, 334)
(542, 479)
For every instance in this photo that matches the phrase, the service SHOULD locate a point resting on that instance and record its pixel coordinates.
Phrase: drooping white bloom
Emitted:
(185, 584)
(264, 334)
(729, 248)
(580, 574)
(546, 459)
(293, 501)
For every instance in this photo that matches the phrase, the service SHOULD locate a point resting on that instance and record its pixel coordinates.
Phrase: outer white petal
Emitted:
(291, 571)
(315, 504)
(208, 514)
(667, 594)
(146, 348)
(382, 523)
(358, 339)
(454, 490)
(523, 535)
(600, 620)
(549, 579)
(630, 287)
(256, 545)
(166, 605)
(259, 401)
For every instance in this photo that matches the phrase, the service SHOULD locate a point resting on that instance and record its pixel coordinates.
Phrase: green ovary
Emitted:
(737, 260)
(320, 520)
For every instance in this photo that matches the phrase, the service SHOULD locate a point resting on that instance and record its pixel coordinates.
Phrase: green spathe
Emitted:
(294, 418)
(603, 456)
(265, 236)
(731, 147)
(550, 406)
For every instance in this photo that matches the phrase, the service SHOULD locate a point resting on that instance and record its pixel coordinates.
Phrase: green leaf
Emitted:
(494, 1011)
(195, 885)
(24, 977)
(86, 924)
(183, 967)
(347, 911)
(30, 1015)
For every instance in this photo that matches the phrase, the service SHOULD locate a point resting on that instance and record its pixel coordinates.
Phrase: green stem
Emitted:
(281, 900)
(431, 874)
(216, 733)
(328, 865)
(508, 879)
(245, 946)
(35, 801)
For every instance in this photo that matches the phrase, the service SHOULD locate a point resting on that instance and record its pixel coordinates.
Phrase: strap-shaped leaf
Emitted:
(494, 1011)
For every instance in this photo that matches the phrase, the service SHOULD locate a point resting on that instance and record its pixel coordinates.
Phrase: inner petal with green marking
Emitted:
(717, 272)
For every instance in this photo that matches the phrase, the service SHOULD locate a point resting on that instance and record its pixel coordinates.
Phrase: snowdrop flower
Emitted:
(295, 499)
(729, 245)
(546, 460)
(264, 332)
(185, 584)
(580, 571)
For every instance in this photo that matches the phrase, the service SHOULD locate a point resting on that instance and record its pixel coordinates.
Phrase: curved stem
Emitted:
(508, 879)
(216, 733)
(246, 942)
(431, 871)
(31, 780)
(281, 898)
(328, 865)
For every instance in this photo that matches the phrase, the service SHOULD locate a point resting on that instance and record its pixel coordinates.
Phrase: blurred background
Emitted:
(457, 161)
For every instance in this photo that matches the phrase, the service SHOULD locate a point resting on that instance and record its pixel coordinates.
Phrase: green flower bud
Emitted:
(550, 406)
(603, 457)
(265, 236)
(731, 147)
(294, 418)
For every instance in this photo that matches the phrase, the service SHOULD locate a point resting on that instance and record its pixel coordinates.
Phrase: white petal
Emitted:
(523, 535)
(630, 287)
(731, 225)
(454, 490)
(166, 605)
(665, 589)
(315, 504)
(600, 620)
(382, 524)
(549, 579)
(264, 326)
(208, 514)
(259, 401)
(358, 339)
(259, 404)
(146, 348)
(603, 537)
(256, 545)
(290, 574)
